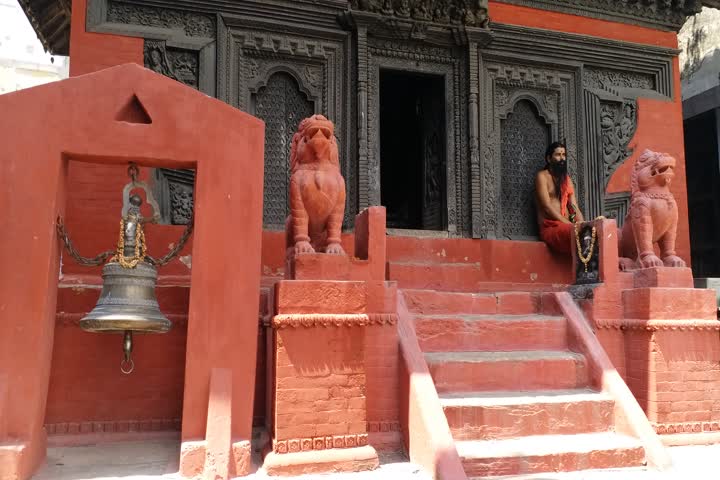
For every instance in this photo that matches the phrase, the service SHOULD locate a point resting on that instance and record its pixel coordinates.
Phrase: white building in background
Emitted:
(699, 41)
(23, 60)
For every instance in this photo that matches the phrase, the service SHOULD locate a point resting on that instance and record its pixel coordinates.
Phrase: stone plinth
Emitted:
(334, 340)
(320, 377)
(673, 353)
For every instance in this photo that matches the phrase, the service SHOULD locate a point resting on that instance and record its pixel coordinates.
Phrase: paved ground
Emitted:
(157, 460)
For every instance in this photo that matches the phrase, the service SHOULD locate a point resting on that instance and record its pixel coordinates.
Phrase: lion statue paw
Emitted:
(674, 261)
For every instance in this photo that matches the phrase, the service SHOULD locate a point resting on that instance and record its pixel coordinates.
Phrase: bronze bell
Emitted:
(127, 302)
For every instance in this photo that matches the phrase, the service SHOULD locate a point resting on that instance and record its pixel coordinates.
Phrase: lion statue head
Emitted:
(652, 169)
(313, 143)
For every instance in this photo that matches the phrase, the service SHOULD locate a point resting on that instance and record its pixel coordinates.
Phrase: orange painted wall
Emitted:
(563, 22)
(90, 52)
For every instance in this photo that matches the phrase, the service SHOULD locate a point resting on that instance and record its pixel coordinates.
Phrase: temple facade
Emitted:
(467, 93)
(442, 110)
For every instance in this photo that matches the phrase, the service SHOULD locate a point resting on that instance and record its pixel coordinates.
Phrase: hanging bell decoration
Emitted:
(127, 301)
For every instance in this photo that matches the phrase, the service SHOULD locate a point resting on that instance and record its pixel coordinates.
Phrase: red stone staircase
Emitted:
(518, 401)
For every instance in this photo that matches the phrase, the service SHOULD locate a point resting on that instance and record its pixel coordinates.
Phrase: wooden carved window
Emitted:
(525, 136)
(281, 105)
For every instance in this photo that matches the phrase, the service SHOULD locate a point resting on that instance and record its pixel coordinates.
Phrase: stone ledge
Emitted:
(323, 461)
(329, 442)
(659, 325)
(332, 320)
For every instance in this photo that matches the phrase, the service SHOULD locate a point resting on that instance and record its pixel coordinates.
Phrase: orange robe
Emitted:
(555, 233)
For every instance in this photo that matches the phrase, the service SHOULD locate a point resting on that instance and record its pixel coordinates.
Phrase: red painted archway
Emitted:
(114, 116)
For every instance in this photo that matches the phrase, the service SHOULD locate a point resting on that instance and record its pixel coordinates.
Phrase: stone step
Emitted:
(629, 473)
(550, 453)
(517, 370)
(504, 415)
(434, 302)
(457, 277)
(444, 333)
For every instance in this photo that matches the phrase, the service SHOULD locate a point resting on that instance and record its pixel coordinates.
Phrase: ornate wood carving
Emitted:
(192, 24)
(282, 106)
(173, 189)
(283, 78)
(179, 44)
(610, 99)
(606, 73)
(524, 136)
(180, 65)
(509, 155)
(473, 13)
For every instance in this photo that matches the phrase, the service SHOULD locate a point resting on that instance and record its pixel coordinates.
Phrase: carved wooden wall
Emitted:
(283, 78)
(523, 105)
(585, 91)
(505, 97)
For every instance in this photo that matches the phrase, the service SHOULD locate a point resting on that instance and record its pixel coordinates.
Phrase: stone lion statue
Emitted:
(652, 216)
(317, 190)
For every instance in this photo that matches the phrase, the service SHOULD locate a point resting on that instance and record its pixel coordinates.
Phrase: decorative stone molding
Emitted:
(252, 57)
(659, 325)
(320, 443)
(457, 12)
(296, 320)
(691, 427)
(664, 14)
(383, 426)
(115, 426)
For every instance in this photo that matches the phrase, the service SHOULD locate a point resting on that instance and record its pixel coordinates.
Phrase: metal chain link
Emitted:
(85, 261)
(177, 248)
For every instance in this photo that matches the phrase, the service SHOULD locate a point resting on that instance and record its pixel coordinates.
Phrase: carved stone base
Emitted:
(336, 460)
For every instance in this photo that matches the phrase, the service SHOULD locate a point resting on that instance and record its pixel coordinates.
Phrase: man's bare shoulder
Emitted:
(543, 175)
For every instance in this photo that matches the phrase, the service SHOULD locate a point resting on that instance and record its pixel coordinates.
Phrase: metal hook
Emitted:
(133, 172)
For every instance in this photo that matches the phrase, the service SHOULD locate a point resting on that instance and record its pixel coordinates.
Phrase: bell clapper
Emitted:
(127, 365)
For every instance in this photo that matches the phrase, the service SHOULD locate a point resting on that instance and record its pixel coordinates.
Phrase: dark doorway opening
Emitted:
(703, 182)
(413, 145)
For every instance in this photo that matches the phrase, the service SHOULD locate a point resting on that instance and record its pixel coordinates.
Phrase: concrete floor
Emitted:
(156, 459)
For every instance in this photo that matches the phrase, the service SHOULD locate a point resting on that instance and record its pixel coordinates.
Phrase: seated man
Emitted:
(556, 204)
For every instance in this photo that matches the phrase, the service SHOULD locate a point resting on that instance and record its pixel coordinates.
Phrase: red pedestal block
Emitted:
(333, 340)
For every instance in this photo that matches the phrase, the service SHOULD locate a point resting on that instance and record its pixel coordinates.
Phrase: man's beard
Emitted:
(558, 170)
